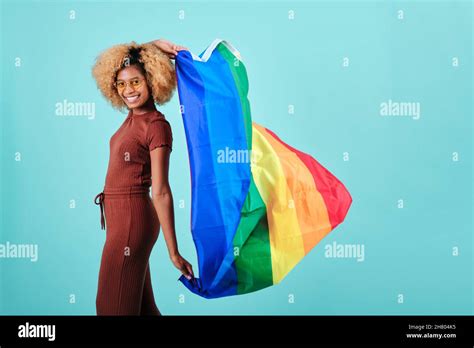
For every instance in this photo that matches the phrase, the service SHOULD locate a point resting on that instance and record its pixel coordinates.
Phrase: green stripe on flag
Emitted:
(252, 253)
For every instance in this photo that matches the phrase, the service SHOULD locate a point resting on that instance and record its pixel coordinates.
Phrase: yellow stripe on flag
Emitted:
(286, 243)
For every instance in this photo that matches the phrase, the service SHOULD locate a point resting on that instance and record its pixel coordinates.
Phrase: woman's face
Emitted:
(132, 86)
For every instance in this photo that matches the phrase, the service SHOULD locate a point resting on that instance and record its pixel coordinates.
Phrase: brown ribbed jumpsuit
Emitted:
(131, 222)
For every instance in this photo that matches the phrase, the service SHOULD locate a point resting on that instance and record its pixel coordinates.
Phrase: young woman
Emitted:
(136, 77)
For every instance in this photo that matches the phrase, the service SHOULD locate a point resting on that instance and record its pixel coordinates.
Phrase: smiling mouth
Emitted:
(131, 99)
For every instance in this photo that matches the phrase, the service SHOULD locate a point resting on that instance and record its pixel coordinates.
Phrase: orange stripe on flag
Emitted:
(307, 202)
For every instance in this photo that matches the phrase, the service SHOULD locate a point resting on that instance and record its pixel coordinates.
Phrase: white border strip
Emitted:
(207, 53)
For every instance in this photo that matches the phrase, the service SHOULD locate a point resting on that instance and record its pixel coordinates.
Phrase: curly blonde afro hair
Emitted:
(158, 68)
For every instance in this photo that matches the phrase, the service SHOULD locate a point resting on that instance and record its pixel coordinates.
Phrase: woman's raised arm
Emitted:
(168, 47)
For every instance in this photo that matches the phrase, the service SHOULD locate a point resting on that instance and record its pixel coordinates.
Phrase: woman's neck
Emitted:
(149, 106)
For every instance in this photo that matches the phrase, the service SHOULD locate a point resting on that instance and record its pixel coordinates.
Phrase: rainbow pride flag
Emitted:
(258, 205)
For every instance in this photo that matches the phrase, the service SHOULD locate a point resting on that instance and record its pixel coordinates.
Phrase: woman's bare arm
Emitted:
(162, 198)
(168, 47)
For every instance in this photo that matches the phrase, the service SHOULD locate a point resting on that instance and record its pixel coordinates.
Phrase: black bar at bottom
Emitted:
(412, 330)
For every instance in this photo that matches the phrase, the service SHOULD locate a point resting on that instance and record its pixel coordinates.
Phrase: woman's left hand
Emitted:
(183, 265)
(168, 47)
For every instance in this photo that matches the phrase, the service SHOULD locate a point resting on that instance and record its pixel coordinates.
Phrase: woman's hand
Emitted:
(168, 47)
(183, 265)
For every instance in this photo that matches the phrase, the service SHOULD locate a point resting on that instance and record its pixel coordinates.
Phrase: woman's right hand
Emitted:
(184, 266)
(168, 47)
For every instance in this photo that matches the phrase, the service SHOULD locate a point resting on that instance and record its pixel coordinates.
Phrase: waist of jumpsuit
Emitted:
(117, 192)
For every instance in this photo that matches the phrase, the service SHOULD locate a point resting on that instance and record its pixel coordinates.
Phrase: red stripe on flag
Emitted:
(336, 197)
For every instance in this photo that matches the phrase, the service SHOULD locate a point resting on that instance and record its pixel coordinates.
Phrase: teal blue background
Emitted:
(407, 251)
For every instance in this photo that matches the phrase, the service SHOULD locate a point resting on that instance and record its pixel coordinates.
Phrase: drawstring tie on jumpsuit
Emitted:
(127, 191)
(100, 198)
